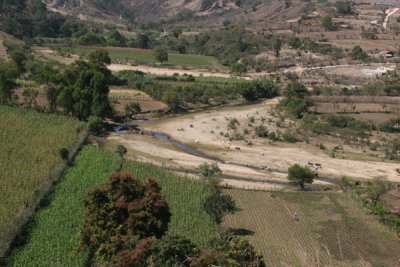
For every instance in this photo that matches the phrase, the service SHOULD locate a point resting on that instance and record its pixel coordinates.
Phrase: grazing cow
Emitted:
(237, 148)
(197, 141)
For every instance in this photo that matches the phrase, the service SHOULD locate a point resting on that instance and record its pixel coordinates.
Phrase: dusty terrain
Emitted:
(263, 161)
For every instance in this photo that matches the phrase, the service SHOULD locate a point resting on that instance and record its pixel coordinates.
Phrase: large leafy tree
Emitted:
(300, 175)
(84, 87)
(262, 88)
(121, 213)
(8, 74)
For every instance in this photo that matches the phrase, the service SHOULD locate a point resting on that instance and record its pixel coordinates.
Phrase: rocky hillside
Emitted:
(141, 10)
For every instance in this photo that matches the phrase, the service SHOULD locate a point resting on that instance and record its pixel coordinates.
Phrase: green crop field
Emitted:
(146, 57)
(52, 236)
(29, 145)
(332, 230)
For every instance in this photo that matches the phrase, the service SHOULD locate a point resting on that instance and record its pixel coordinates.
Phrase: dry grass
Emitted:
(332, 230)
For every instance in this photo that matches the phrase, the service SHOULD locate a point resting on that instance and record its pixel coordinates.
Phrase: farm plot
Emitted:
(332, 230)
(146, 57)
(52, 236)
(29, 146)
(124, 96)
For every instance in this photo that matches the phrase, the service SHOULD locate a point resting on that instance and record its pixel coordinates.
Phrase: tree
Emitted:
(116, 38)
(172, 251)
(84, 87)
(122, 212)
(160, 55)
(8, 74)
(357, 53)
(262, 88)
(121, 152)
(217, 204)
(95, 124)
(295, 90)
(277, 45)
(99, 57)
(233, 251)
(132, 109)
(343, 7)
(52, 93)
(238, 68)
(19, 58)
(299, 175)
(171, 98)
(327, 23)
(176, 32)
(143, 41)
(208, 171)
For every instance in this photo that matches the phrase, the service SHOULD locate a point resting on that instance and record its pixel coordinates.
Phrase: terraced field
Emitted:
(332, 230)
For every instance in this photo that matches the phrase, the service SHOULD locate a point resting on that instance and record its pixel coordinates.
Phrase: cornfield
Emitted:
(29, 151)
(52, 239)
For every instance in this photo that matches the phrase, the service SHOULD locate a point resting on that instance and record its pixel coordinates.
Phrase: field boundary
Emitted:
(24, 216)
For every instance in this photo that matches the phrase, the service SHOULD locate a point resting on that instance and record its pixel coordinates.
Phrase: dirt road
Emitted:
(389, 13)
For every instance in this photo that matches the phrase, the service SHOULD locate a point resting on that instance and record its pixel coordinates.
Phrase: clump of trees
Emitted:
(126, 222)
(294, 102)
(328, 24)
(84, 87)
(263, 88)
(344, 7)
(8, 74)
(120, 214)
(357, 53)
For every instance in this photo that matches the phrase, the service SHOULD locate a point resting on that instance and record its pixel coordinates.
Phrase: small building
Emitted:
(387, 54)
(374, 22)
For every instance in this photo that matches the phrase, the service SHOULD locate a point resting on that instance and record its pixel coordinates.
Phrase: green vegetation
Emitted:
(373, 196)
(30, 143)
(257, 89)
(358, 54)
(160, 55)
(183, 92)
(328, 23)
(146, 57)
(123, 211)
(65, 211)
(300, 175)
(8, 74)
(343, 7)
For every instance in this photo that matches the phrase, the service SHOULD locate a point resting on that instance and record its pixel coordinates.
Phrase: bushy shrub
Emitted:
(261, 131)
(64, 153)
(95, 124)
(289, 137)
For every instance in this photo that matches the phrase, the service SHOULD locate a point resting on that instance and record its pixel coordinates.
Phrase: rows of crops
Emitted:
(332, 230)
(52, 237)
(30, 144)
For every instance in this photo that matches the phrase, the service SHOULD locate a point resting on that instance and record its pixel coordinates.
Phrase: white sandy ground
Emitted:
(389, 13)
(274, 156)
(151, 150)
